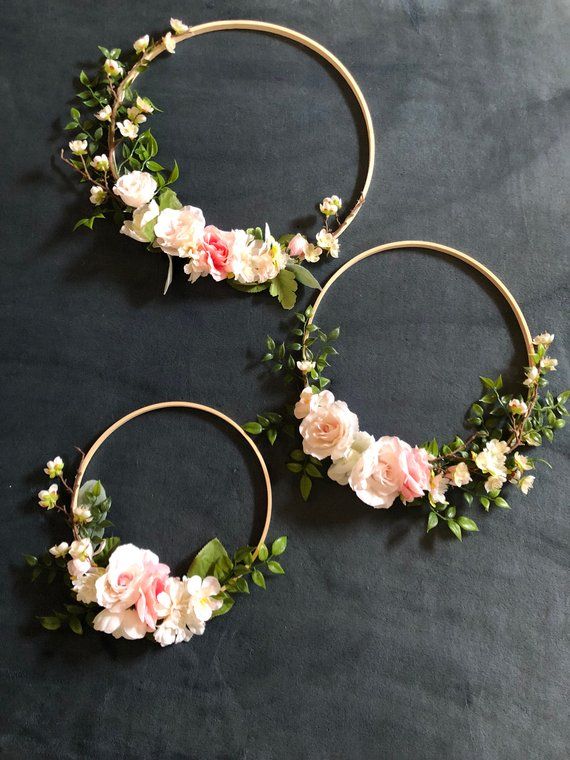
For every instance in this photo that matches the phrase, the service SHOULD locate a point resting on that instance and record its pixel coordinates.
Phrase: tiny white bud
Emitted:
(141, 44)
(79, 147)
(178, 26)
(112, 68)
(59, 550)
(169, 42)
(104, 114)
(97, 195)
(100, 163)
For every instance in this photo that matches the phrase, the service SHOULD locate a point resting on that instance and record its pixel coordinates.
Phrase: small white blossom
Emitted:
(522, 462)
(97, 195)
(548, 364)
(178, 26)
(82, 514)
(81, 553)
(169, 42)
(144, 105)
(327, 240)
(135, 115)
(526, 483)
(84, 584)
(59, 550)
(544, 339)
(494, 483)
(104, 114)
(330, 206)
(48, 499)
(79, 147)
(491, 461)
(100, 163)
(305, 366)
(112, 68)
(517, 407)
(54, 468)
(128, 129)
(141, 44)
(459, 474)
(532, 375)
(437, 488)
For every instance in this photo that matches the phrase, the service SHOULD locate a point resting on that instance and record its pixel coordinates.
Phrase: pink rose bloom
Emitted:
(329, 430)
(298, 246)
(310, 401)
(414, 463)
(120, 586)
(154, 601)
(125, 624)
(216, 252)
(377, 477)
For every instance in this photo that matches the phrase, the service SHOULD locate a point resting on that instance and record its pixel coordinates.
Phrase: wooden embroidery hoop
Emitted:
(185, 405)
(279, 31)
(437, 248)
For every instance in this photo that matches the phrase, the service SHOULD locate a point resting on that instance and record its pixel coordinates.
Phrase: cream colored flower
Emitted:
(330, 206)
(202, 593)
(169, 42)
(526, 483)
(328, 431)
(48, 499)
(81, 553)
(104, 114)
(548, 364)
(97, 195)
(84, 584)
(328, 242)
(438, 486)
(179, 232)
(128, 129)
(82, 514)
(144, 105)
(135, 115)
(135, 188)
(544, 339)
(258, 260)
(517, 407)
(112, 68)
(59, 550)
(178, 26)
(100, 163)
(459, 474)
(141, 217)
(341, 470)
(305, 366)
(522, 462)
(180, 622)
(54, 468)
(532, 375)
(491, 461)
(141, 44)
(79, 147)
(494, 483)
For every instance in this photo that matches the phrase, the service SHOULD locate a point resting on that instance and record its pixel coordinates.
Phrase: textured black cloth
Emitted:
(379, 642)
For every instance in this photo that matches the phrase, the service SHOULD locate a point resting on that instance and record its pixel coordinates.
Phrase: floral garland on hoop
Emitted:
(126, 591)
(444, 479)
(135, 193)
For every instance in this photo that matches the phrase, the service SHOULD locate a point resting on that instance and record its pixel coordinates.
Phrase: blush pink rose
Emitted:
(120, 586)
(416, 471)
(309, 402)
(153, 602)
(328, 431)
(216, 246)
(377, 476)
(298, 246)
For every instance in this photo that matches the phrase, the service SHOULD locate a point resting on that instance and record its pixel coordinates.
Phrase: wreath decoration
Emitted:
(443, 479)
(118, 159)
(123, 590)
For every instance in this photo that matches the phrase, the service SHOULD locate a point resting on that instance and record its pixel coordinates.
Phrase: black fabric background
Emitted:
(379, 642)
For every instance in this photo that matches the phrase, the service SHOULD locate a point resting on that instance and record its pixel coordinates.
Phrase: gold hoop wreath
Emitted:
(441, 481)
(134, 189)
(126, 591)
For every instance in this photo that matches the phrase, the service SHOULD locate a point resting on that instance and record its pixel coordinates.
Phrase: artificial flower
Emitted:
(59, 550)
(214, 254)
(84, 585)
(179, 231)
(128, 129)
(328, 242)
(522, 463)
(202, 596)
(310, 402)
(532, 375)
(259, 260)
(169, 42)
(544, 339)
(104, 114)
(144, 105)
(341, 469)
(516, 406)
(79, 147)
(438, 486)
(82, 514)
(100, 163)
(305, 366)
(328, 431)
(135, 188)
(48, 499)
(458, 474)
(97, 195)
(135, 115)
(300, 248)
(180, 622)
(141, 217)
(153, 601)
(495, 482)
(123, 624)
(377, 477)
(112, 68)
(526, 483)
(178, 26)
(330, 206)
(491, 460)
(120, 586)
(54, 468)
(548, 364)
(81, 553)
(416, 471)
(141, 44)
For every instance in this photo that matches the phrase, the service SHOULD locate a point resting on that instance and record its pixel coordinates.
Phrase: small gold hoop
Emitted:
(437, 248)
(169, 405)
(279, 31)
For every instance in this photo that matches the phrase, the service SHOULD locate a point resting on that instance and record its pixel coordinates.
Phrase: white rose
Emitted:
(97, 195)
(340, 471)
(112, 68)
(128, 129)
(104, 114)
(141, 44)
(79, 147)
(135, 188)
(120, 586)
(329, 431)
(141, 217)
(179, 231)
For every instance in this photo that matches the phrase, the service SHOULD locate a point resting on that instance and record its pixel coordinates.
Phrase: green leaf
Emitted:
(174, 174)
(271, 435)
(71, 125)
(258, 578)
(83, 78)
(284, 288)
(242, 586)
(467, 523)
(484, 501)
(454, 528)
(297, 455)
(30, 560)
(294, 467)
(432, 521)
(207, 558)
(228, 603)
(154, 166)
(312, 471)
(254, 428)
(305, 486)
(275, 567)
(263, 552)
(249, 288)
(279, 546)
(303, 276)
(168, 199)
(50, 622)
(75, 115)
(75, 625)
(502, 503)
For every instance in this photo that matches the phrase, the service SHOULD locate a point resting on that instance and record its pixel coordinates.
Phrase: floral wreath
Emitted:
(133, 188)
(126, 591)
(443, 479)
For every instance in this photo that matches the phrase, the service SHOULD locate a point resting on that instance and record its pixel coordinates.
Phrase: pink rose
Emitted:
(328, 430)
(377, 477)
(416, 471)
(154, 601)
(120, 586)
(309, 402)
(216, 245)
(298, 246)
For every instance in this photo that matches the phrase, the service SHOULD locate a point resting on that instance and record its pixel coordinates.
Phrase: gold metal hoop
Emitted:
(438, 248)
(169, 405)
(279, 31)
